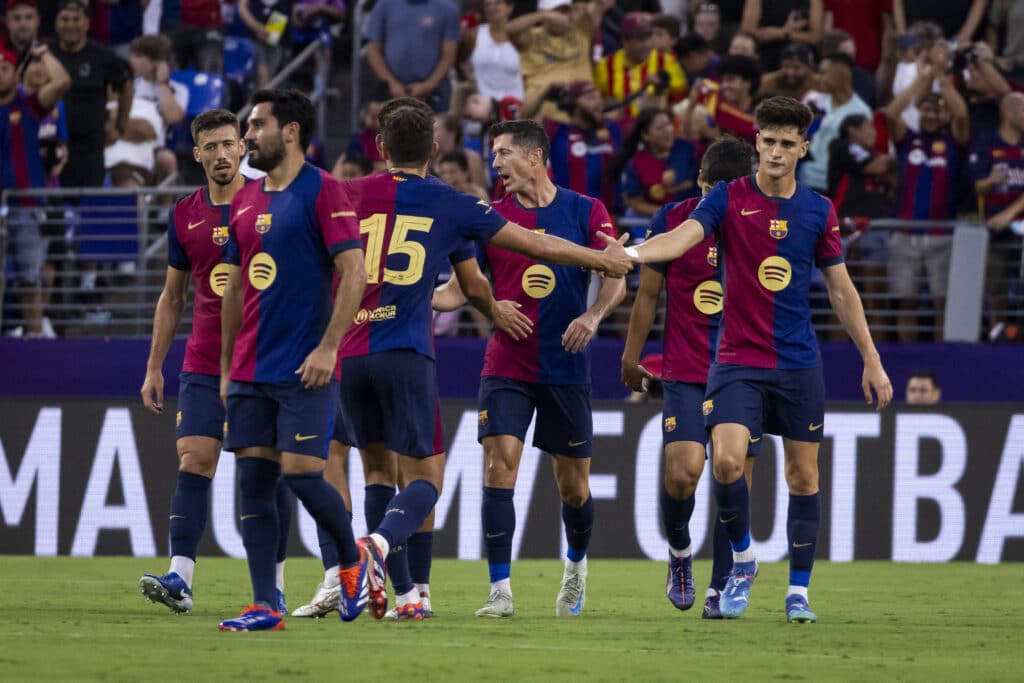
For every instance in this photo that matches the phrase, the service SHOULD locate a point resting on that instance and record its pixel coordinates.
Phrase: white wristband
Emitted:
(632, 253)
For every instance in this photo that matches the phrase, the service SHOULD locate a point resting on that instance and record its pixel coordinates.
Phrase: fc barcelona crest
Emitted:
(483, 417)
(713, 257)
(670, 424)
(708, 407)
(220, 235)
(263, 223)
(778, 229)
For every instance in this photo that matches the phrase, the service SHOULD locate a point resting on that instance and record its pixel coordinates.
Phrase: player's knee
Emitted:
(197, 462)
(726, 470)
(575, 497)
(380, 471)
(802, 478)
(499, 472)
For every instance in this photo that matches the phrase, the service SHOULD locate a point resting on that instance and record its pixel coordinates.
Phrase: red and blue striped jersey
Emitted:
(929, 169)
(990, 149)
(197, 240)
(580, 159)
(768, 248)
(410, 227)
(285, 242)
(552, 296)
(21, 165)
(660, 181)
(693, 306)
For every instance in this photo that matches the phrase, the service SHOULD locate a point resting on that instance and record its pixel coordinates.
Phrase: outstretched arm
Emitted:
(612, 261)
(670, 245)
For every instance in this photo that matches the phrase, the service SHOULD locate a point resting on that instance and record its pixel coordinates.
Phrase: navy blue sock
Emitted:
(407, 511)
(189, 507)
(328, 548)
(326, 506)
(579, 522)
(734, 511)
(421, 553)
(721, 563)
(257, 483)
(375, 503)
(499, 517)
(283, 500)
(675, 515)
(398, 569)
(802, 531)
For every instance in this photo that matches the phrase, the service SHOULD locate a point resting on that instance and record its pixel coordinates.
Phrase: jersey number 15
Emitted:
(374, 227)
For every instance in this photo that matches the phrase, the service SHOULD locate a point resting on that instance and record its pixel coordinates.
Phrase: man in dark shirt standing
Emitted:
(92, 68)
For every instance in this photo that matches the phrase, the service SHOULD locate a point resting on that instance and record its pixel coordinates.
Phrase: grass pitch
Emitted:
(84, 619)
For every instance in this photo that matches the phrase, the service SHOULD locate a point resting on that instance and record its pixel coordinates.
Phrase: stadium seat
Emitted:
(101, 218)
(205, 91)
(239, 59)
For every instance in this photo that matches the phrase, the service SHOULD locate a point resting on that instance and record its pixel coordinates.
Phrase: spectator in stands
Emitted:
(869, 25)
(665, 32)
(196, 30)
(776, 23)
(412, 47)
(449, 135)
(744, 43)
(707, 23)
(838, 102)
(453, 170)
(696, 57)
(923, 44)
(712, 109)
(982, 84)
(923, 389)
(255, 14)
(157, 104)
(960, 20)
(21, 168)
(638, 68)
(659, 167)
(997, 167)
(863, 81)
(312, 22)
(125, 25)
(22, 23)
(350, 168)
(364, 141)
(929, 163)
(94, 70)
(796, 78)
(493, 58)
(1006, 17)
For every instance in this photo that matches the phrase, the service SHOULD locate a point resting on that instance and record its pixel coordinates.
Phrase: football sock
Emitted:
(326, 506)
(283, 500)
(407, 511)
(398, 569)
(375, 503)
(183, 567)
(279, 576)
(721, 562)
(257, 482)
(579, 522)
(802, 530)
(411, 597)
(189, 507)
(329, 549)
(421, 553)
(675, 514)
(502, 586)
(734, 514)
(499, 518)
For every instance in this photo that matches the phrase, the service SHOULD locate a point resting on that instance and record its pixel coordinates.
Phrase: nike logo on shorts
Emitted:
(304, 437)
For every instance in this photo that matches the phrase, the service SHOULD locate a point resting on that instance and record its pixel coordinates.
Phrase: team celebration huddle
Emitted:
(312, 334)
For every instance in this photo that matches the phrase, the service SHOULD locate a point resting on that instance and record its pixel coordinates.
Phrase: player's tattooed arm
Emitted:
(470, 284)
(581, 330)
(230, 323)
(847, 304)
(168, 312)
(641, 318)
(613, 261)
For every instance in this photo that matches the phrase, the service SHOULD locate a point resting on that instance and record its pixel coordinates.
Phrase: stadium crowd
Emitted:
(919, 108)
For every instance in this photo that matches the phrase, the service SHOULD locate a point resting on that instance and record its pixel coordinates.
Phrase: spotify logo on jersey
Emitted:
(775, 273)
(538, 281)
(262, 270)
(219, 278)
(708, 297)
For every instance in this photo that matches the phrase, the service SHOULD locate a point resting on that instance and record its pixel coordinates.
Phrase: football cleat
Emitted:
(254, 618)
(428, 613)
(573, 593)
(711, 607)
(281, 606)
(354, 591)
(499, 606)
(798, 611)
(324, 601)
(679, 585)
(736, 595)
(169, 589)
(411, 611)
(377, 577)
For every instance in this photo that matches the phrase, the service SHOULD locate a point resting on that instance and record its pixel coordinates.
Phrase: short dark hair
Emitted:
(743, 66)
(850, 121)
(290, 106)
(925, 374)
(840, 58)
(784, 112)
(211, 120)
(832, 39)
(668, 23)
(692, 43)
(527, 134)
(407, 128)
(155, 47)
(727, 159)
(457, 157)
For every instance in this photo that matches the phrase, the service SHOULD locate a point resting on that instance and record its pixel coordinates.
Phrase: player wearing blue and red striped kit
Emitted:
(693, 312)
(280, 339)
(197, 238)
(663, 171)
(771, 233)
(410, 225)
(929, 165)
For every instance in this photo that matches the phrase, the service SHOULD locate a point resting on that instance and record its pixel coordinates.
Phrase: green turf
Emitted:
(83, 619)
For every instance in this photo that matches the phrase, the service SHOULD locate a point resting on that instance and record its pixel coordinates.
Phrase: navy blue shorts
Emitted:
(281, 415)
(682, 419)
(565, 421)
(790, 403)
(340, 430)
(391, 397)
(200, 410)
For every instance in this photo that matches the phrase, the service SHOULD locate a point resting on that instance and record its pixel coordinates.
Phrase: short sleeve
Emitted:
(829, 250)
(980, 160)
(658, 226)
(176, 256)
(452, 29)
(600, 222)
(463, 252)
(117, 71)
(710, 212)
(476, 218)
(632, 186)
(375, 26)
(231, 253)
(336, 217)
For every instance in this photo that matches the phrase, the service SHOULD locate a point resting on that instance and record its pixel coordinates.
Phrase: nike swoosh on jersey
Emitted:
(196, 225)
(245, 517)
(304, 437)
(802, 545)
(243, 210)
(748, 212)
(814, 427)
(574, 444)
(753, 440)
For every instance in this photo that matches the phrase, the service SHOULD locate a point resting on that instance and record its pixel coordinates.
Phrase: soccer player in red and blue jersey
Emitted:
(280, 339)
(767, 374)
(693, 313)
(410, 224)
(197, 238)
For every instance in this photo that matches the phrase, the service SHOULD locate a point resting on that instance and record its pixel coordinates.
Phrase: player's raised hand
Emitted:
(876, 380)
(616, 261)
(316, 371)
(153, 392)
(508, 319)
(635, 376)
(579, 333)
